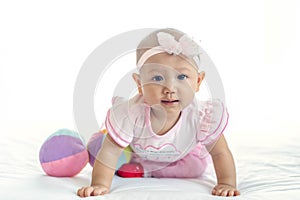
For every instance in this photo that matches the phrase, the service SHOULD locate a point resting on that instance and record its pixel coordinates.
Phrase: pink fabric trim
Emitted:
(220, 121)
(215, 131)
(113, 133)
(157, 148)
(218, 126)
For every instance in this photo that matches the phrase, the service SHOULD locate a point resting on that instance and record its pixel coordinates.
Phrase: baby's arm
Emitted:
(225, 169)
(103, 170)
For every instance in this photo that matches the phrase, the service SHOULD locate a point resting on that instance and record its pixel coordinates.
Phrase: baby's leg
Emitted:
(191, 166)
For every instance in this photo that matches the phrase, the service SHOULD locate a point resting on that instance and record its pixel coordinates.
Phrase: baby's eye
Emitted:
(157, 78)
(182, 77)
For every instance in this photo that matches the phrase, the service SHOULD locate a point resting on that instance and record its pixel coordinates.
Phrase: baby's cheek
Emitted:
(187, 87)
(186, 96)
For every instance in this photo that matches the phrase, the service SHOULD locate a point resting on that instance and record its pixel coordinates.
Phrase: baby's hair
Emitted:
(151, 41)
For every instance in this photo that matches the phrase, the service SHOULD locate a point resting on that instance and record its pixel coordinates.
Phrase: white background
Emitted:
(254, 44)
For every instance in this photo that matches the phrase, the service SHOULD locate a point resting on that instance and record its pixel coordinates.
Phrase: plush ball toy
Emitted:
(95, 144)
(63, 154)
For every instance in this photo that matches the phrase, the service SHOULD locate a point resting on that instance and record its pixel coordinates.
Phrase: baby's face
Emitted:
(169, 82)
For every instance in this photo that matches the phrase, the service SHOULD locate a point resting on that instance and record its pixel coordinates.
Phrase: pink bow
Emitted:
(185, 45)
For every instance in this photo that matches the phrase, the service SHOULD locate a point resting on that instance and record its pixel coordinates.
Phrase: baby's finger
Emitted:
(224, 193)
(80, 192)
(214, 192)
(231, 193)
(217, 192)
(88, 191)
(237, 193)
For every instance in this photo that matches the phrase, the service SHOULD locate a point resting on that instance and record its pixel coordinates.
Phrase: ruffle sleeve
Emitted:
(119, 122)
(213, 119)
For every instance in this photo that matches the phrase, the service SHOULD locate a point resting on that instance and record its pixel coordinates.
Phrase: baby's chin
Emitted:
(167, 108)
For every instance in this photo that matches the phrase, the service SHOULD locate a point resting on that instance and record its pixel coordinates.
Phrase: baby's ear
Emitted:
(200, 78)
(137, 79)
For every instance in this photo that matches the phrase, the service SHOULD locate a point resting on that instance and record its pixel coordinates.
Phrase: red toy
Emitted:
(131, 170)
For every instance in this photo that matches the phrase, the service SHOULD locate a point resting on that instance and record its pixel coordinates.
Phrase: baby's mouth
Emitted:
(170, 101)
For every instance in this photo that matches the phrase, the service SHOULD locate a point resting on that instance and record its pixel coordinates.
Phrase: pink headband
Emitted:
(167, 43)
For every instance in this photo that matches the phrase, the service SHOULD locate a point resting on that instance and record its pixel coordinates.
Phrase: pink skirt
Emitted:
(191, 166)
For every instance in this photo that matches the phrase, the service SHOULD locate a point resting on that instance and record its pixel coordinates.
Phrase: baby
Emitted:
(171, 133)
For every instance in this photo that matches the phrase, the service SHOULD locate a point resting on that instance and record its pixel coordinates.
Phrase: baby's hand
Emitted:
(92, 191)
(225, 190)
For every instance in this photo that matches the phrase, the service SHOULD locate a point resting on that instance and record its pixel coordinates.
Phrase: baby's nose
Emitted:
(169, 88)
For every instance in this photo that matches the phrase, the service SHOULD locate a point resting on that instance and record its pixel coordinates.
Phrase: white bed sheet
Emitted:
(268, 167)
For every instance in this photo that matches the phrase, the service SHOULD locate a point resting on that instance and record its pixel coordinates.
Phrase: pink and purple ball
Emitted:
(63, 154)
